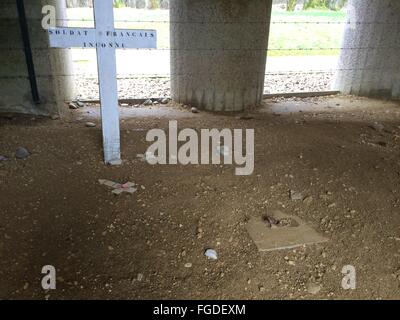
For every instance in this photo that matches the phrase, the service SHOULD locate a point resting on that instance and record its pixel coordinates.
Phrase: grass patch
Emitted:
(328, 15)
(306, 33)
(299, 33)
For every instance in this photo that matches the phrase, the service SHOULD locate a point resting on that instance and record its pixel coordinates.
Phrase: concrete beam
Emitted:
(218, 52)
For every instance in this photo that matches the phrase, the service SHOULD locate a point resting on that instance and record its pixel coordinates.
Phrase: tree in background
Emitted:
(153, 4)
(291, 5)
(324, 4)
(316, 4)
(337, 4)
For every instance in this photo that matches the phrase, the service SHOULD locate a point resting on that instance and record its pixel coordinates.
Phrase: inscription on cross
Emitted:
(105, 39)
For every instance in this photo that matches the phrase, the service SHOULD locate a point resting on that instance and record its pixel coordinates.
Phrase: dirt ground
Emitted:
(137, 246)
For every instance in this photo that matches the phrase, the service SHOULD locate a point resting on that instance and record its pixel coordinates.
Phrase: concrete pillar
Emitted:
(370, 59)
(53, 66)
(218, 52)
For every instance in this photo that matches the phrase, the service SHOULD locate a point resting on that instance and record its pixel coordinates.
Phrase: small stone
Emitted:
(80, 104)
(148, 102)
(194, 110)
(90, 124)
(313, 288)
(308, 200)
(22, 153)
(3, 158)
(188, 265)
(72, 106)
(377, 126)
(165, 101)
(55, 117)
(140, 277)
(211, 254)
(294, 195)
(261, 288)
(199, 233)
(332, 205)
(26, 285)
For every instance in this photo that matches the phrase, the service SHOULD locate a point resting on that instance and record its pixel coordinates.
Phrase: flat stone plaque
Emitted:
(285, 237)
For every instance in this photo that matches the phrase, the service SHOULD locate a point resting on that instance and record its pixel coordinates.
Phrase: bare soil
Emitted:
(54, 212)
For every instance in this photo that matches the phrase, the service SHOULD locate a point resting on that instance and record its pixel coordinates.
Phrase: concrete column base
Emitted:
(218, 52)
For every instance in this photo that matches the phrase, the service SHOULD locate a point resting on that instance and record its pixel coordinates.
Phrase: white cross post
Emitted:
(105, 39)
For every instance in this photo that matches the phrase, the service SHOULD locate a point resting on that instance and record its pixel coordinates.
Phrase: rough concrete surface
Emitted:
(369, 63)
(218, 52)
(51, 65)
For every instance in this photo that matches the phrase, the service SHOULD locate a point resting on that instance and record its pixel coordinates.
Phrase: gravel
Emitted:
(22, 153)
(148, 102)
(159, 87)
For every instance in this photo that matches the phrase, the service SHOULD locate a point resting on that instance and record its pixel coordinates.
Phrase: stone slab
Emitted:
(280, 238)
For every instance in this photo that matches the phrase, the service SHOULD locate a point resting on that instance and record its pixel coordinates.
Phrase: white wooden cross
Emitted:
(105, 39)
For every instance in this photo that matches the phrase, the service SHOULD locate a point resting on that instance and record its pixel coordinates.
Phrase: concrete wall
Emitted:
(50, 64)
(370, 61)
(218, 52)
